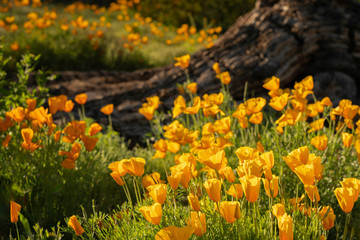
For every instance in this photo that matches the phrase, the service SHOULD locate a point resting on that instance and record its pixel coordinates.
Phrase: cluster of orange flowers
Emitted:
(201, 165)
(253, 162)
(187, 33)
(31, 120)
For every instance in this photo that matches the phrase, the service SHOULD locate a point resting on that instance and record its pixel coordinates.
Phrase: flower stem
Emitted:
(110, 122)
(221, 224)
(346, 225)
(17, 231)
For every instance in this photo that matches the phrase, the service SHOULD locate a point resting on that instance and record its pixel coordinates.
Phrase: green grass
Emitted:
(61, 50)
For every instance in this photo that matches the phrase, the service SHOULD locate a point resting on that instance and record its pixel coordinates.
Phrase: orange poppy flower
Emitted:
(15, 46)
(290, 117)
(240, 111)
(306, 174)
(72, 156)
(158, 192)
(278, 103)
(147, 111)
(216, 68)
(272, 186)
(74, 224)
(179, 106)
(118, 167)
(14, 211)
(326, 101)
(183, 172)
(223, 125)
(352, 183)
(134, 166)
(81, 98)
(94, 129)
(31, 102)
(246, 153)
(272, 84)
(197, 221)
(57, 103)
(57, 136)
(307, 83)
(108, 109)
(192, 87)
(174, 233)
(183, 61)
(350, 111)
(228, 173)
(254, 105)
(297, 157)
(73, 131)
(5, 123)
(320, 142)
(6, 141)
(224, 77)
(89, 142)
(213, 158)
(151, 179)
(328, 221)
(347, 139)
(152, 213)
(27, 135)
(235, 191)
(253, 167)
(69, 105)
(174, 180)
(230, 211)
(251, 187)
(116, 176)
(278, 210)
(285, 224)
(40, 114)
(243, 122)
(256, 118)
(17, 114)
(299, 104)
(194, 202)
(213, 188)
(317, 125)
(346, 198)
(312, 192)
(194, 108)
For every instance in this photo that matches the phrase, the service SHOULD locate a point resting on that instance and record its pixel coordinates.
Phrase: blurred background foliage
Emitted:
(176, 12)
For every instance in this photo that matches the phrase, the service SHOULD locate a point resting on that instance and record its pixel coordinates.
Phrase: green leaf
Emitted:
(26, 225)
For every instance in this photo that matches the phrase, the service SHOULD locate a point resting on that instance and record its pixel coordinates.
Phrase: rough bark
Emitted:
(286, 38)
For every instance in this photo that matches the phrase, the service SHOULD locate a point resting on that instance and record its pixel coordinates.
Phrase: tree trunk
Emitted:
(289, 39)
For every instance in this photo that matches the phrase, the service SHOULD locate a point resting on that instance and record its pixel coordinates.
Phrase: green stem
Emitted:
(202, 230)
(238, 228)
(110, 122)
(126, 189)
(83, 111)
(174, 199)
(17, 231)
(220, 219)
(245, 90)
(271, 216)
(346, 225)
(255, 221)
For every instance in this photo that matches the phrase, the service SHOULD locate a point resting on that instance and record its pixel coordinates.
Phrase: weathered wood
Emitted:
(286, 38)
